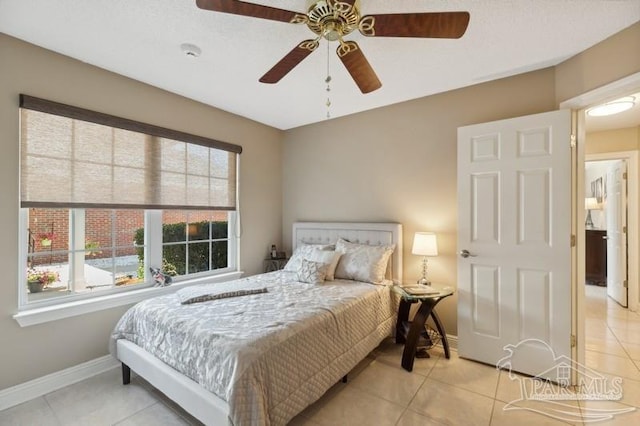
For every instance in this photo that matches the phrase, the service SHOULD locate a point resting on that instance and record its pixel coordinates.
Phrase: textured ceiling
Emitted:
(141, 39)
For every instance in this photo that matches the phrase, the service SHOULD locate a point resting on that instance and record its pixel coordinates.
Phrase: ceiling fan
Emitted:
(334, 19)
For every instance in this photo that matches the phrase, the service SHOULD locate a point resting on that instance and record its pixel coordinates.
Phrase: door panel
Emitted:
(534, 304)
(616, 216)
(486, 202)
(534, 202)
(485, 292)
(514, 200)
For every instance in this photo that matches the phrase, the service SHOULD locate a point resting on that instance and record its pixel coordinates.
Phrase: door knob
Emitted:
(465, 254)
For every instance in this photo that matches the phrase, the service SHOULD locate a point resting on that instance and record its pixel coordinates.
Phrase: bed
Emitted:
(275, 350)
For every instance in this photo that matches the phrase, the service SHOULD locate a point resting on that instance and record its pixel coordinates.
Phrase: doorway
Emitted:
(611, 144)
(606, 242)
(602, 150)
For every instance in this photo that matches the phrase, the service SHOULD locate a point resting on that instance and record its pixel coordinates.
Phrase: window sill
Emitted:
(65, 310)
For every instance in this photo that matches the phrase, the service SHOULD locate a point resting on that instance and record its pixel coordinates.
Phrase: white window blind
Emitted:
(73, 157)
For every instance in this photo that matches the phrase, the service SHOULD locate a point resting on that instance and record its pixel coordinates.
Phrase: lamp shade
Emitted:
(425, 244)
(591, 203)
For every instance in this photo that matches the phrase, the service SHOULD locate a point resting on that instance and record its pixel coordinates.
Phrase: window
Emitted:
(103, 199)
(194, 241)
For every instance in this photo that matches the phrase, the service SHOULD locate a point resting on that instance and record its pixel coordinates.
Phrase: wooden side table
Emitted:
(409, 332)
(271, 265)
(595, 254)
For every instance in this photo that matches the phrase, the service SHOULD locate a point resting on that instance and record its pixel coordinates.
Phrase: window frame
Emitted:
(35, 312)
(153, 256)
(32, 313)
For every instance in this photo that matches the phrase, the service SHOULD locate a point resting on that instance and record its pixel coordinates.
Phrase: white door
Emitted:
(616, 213)
(514, 201)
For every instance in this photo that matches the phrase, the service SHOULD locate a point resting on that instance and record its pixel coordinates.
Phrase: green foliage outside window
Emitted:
(174, 259)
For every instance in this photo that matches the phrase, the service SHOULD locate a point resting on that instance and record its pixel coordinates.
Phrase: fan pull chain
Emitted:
(328, 81)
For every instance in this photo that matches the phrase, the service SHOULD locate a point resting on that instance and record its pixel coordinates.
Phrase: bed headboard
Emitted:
(355, 232)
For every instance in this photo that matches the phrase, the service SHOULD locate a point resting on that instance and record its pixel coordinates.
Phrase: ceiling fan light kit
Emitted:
(334, 19)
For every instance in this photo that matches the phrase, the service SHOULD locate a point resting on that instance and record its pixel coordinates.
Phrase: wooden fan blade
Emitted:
(289, 62)
(427, 25)
(354, 60)
(250, 9)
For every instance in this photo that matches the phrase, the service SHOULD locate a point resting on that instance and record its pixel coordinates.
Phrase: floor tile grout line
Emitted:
(134, 413)
(55, 415)
(176, 412)
(424, 380)
(364, 390)
(406, 408)
(620, 342)
(401, 415)
(611, 329)
(606, 314)
(495, 394)
(493, 409)
(469, 390)
(416, 392)
(431, 419)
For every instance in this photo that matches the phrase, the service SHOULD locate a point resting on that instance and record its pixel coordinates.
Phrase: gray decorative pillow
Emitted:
(302, 252)
(362, 262)
(312, 272)
(328, 257)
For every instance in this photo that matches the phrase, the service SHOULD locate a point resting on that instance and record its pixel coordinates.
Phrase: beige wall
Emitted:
(613, 140)
(398, 163)
(390, 164)
(608, 61)
(31, 352)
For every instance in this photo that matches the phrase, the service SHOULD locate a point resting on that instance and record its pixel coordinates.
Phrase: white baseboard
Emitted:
(453, 342)
(24, 392)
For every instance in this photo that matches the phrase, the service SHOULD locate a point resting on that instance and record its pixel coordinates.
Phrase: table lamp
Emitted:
(425, 244)
(590, 203)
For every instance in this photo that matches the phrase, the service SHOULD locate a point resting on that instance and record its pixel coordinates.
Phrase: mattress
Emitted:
(268, 355)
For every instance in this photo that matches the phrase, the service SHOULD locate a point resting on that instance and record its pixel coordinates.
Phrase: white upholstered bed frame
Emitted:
(208, 407)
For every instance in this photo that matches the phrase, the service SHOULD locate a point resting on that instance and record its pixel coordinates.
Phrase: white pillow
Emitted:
(363, 262)
(330, 258)
(303, 251)
(312, 272)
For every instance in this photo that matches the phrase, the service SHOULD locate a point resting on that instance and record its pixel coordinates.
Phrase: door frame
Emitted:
(632, 219)
(579, 104)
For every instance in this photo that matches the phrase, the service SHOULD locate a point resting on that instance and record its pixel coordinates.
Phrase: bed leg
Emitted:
(344, 379)
(126, 374)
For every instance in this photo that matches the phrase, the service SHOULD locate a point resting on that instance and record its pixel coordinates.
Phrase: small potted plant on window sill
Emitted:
(38, 279)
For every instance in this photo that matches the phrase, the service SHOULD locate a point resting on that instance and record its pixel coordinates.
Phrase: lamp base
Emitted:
(588, 222)
(424, 281)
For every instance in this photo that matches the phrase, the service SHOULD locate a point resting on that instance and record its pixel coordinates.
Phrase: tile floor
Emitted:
(379, 391)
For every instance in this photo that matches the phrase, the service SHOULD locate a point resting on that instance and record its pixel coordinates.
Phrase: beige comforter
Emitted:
(268, 355)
